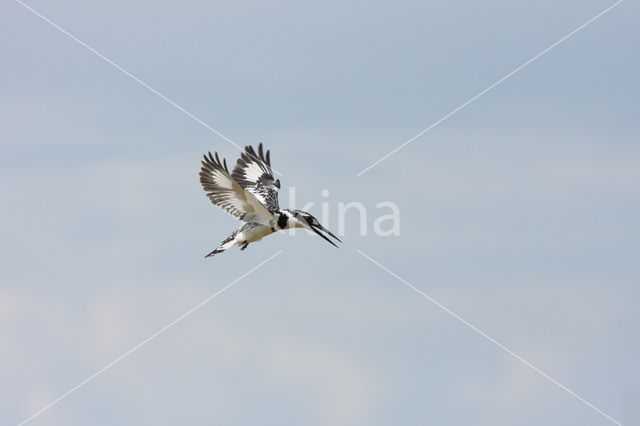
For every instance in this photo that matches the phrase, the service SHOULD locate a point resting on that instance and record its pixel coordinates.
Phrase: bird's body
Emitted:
(250, 193)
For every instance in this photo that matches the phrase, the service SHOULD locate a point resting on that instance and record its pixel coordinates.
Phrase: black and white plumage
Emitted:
(250, 193)
(253, 173)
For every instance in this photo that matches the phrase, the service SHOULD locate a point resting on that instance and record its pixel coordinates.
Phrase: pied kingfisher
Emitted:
(250, 193)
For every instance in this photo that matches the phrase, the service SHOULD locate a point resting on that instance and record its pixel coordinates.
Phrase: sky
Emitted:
(518, 213)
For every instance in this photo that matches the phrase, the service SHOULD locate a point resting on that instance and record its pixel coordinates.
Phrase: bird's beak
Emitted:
(318, 228)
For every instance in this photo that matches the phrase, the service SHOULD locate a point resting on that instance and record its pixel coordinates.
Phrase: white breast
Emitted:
(256, 233)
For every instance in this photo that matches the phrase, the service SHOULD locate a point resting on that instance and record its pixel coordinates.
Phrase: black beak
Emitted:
(318, 228)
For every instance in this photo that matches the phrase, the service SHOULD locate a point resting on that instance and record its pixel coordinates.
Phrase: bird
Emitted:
(250, 193)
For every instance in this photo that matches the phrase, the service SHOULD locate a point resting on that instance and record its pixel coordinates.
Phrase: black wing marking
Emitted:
(226, 193)
(253, 173)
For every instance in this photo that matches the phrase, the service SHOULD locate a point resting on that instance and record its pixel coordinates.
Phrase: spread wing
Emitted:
(253, 173)
(225, 192)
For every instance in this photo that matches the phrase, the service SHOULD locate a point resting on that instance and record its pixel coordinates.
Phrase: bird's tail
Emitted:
(225, 244)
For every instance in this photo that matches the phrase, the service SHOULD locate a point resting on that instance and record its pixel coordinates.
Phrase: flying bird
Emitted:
(250, 193)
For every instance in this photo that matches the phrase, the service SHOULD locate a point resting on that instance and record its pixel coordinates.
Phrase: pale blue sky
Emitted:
(519, 213)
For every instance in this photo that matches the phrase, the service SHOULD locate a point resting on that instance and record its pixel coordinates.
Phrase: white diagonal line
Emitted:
(488, 88)
(492, 340)
(133, 77)
(128, 74)
(145, 341)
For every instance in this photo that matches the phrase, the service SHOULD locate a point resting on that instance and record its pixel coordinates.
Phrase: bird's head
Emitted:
(302, 219)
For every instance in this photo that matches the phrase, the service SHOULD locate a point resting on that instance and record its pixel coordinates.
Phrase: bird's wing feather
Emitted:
(253, 173)
(225, 192)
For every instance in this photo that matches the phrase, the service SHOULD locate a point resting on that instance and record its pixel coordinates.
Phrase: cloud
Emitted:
(339, 382)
